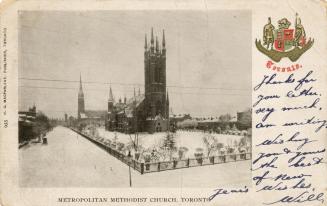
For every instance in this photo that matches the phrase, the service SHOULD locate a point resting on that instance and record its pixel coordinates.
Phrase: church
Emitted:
(88, 116)
(148, 112)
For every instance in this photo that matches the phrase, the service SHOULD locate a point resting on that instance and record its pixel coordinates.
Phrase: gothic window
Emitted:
(157, 74)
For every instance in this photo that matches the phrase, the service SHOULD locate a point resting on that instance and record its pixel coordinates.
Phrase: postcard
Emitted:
(163, 103)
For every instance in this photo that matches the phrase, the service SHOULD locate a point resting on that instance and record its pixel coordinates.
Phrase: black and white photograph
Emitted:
(135, 98)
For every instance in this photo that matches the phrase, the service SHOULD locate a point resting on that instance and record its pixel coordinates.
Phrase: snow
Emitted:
(189, 139)
(70, 160)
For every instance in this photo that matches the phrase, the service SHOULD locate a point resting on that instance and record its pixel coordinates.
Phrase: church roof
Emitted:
(94, 114)
(130, 105)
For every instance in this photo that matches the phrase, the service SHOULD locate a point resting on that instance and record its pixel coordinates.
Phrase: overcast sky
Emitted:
(208, 51)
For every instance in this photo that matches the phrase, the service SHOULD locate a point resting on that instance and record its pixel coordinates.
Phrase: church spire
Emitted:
(145, 43)
(163, 39)
(152, 41)
(80, 92)
(167, 105)
(111, 97)
(80, 81)
(81, 105)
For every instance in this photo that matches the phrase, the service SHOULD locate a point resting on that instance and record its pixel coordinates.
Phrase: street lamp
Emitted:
(129, 167)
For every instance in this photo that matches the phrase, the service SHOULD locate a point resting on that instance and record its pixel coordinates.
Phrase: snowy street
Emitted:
(70, 160)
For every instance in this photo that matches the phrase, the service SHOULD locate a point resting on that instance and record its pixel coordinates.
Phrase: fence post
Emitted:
(142, 168)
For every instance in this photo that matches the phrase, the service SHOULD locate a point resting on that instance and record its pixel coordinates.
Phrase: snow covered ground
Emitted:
(70, 160)
(188, 139)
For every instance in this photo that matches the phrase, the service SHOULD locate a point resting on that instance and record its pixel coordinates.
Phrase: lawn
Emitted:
(193, 141)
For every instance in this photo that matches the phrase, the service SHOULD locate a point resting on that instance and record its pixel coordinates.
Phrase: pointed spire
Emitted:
(80, 92)
(152, 38)
(111, 97)
(163, 39)
(80, 81)
(145, 43)
(167, 98)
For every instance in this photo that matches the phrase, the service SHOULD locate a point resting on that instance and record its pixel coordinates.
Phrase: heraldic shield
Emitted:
(284, 41)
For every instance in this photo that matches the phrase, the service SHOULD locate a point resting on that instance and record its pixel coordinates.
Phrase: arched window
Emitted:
(157, 74)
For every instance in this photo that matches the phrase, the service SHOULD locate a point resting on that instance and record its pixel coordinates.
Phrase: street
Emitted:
(70, 160)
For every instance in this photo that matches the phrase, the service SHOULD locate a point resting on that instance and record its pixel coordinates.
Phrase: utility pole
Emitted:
(129, 168)
(135, 123)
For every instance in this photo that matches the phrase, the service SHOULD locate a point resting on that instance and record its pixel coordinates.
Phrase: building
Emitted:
(26, 123)
(88, 116)
(244, 119)
(148, 112)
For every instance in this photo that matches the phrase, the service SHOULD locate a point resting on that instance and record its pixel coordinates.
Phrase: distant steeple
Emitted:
(81, 105)
(80, 81)
(111, 97)
(80, 92)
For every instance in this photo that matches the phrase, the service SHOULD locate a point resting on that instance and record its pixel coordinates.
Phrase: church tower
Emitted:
(155, 77)
(81, 105)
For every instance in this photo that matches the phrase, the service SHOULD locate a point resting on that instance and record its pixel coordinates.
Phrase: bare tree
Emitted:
(211, 143)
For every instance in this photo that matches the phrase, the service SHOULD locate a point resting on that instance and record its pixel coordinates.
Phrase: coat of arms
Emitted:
(284, 41)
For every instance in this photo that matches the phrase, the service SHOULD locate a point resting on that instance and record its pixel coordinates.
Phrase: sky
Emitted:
(208, 63)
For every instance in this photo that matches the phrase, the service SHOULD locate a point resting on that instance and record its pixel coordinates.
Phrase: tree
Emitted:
(210, 142)
(181, 152)
(218, 130)
(220, 146)
(245, 120)
(198, 155)
(114, 142)
(225, 118)
(41, 126)
(120, 146)
(169, 144)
